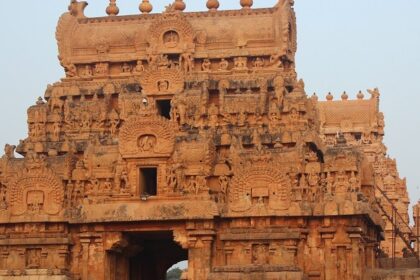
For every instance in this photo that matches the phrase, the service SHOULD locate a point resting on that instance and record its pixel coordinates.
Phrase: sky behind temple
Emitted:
(343, 45)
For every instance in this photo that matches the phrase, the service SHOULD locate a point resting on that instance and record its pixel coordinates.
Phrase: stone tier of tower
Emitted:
(187, 136)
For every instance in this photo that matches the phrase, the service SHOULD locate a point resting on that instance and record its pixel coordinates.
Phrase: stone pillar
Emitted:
(330, 267)
(84, 270)
(370, 255)
(199, 244)
(93, 257)
(357, 265)
(199, 257)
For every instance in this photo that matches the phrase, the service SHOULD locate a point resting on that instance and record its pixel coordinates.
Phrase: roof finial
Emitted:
(145, 7)
(112, 9)
(179, 5)
(330, 97)
(360, 95)
(213, 5)
(247, 4)
(344, 96)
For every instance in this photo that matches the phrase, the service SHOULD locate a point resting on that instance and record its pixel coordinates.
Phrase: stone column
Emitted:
(330, 267)
(199, 244)
(355, 237)
(199, 257)
(84, 269)
(93, 257)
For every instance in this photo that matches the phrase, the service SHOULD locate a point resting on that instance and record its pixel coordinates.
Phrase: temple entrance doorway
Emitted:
(150, 255)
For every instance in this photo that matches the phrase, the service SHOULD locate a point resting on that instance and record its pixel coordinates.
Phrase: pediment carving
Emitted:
(259, 188)
(171, 33)
(36, 190)
(162, 81)
(151, 136)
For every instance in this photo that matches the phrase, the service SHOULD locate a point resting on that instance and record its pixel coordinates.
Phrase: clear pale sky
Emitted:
(344, 45)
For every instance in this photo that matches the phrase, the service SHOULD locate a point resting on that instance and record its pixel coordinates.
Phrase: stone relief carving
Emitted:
(140, 137)
(36, 189)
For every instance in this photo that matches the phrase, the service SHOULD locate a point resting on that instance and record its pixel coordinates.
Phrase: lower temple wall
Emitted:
(395, 274)
(32, 274)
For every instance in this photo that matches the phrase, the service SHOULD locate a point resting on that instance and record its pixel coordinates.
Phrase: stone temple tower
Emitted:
(188, 136)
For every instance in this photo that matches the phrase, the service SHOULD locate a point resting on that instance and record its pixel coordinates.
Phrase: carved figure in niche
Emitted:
(69, 68)
(33, 258)
(341, 183)
(78, 192)
(366, 138)
(330, 184)
(146, 143)
(107, 185)
(9, 151)
(87, 71)
(260, 254)
(206, 65)
(126, 68)
(242, 118)
(56, 130)
(35, 200)
(313, 181)
(258, 63)
(197, 184)
(303, 186)
(186, 61)
(274, 113)
(294, 117)
(163, 86)
(119, 170)
(275, 61)
(162, 62)
(101, 68)
(171, 179)
(280, 89)
(175, 178)
(256, 139)
(3, 197)
(139, 67)
(224, 187)
(354, 182)
(311, 156)
(179, 110)
(213, 115)
(240, 63)
(171, 39)
(114, 121)
(123, 185)
(223, 65)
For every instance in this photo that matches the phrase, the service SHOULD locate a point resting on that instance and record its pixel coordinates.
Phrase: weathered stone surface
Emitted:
(187, 136)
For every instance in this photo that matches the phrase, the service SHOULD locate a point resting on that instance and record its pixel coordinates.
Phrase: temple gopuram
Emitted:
(188, 136)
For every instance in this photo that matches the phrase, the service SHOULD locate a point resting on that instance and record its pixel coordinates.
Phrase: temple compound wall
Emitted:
(188, 136)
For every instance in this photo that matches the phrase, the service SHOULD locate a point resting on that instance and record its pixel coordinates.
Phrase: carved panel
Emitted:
(171, 33)
(261, 187)
(147, 137)
(36, 191)
(162, 81)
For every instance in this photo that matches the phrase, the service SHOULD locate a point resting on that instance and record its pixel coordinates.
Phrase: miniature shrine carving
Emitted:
(188, 137)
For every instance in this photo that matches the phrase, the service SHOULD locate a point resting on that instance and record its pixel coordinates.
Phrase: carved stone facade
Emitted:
(187, 136)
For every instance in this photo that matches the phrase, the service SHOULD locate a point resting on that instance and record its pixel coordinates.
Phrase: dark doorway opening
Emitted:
(144, 256)
(148, 181)
(158, 253)
(164, 108)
